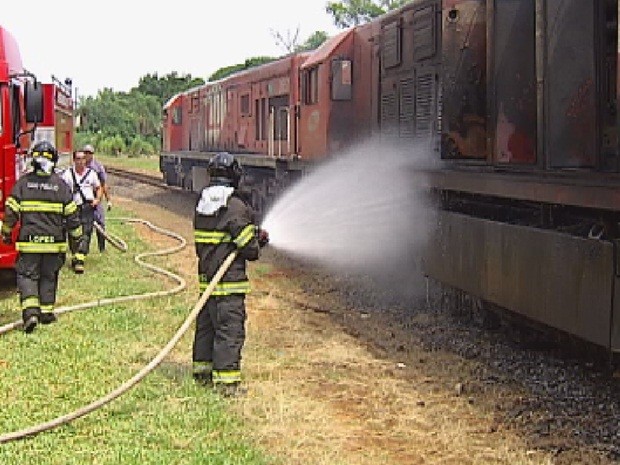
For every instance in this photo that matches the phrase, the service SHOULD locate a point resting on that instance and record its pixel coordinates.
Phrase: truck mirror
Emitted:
(33, 99)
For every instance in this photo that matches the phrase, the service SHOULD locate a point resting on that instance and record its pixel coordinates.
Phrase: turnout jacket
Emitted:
(44, 205)
(223, 222)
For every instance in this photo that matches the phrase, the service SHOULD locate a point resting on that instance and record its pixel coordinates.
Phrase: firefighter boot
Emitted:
(45, 318)
(30, 317)
(77, 265)
(203, 379)
(230, 390)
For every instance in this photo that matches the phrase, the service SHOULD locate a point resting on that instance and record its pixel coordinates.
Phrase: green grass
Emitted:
(166, 419)
(145, 163)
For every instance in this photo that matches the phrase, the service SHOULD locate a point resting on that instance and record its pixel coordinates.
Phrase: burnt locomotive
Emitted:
(517, 98)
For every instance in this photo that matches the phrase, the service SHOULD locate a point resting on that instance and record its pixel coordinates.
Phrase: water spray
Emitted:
(364, 209)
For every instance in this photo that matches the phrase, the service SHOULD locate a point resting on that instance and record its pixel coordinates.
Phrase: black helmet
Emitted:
(225, 170)
(46, 150)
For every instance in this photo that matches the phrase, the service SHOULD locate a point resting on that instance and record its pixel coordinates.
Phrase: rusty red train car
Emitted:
(517, 98)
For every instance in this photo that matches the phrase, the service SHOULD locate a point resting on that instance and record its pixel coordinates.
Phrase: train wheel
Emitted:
(168, 178)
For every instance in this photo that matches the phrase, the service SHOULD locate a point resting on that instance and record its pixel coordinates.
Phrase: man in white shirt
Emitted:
(86, 189)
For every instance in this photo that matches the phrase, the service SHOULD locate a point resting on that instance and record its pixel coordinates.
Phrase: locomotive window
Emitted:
(261, 119)
(311, 86)
(194, 105)
(392, 48)
(176, 115)
(341, 80)
(245, 104)
(424, 33)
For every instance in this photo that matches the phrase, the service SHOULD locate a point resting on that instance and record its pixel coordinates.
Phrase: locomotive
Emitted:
(516, 98)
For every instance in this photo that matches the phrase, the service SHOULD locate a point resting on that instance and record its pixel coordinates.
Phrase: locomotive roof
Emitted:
(314, 57)
(326, 49)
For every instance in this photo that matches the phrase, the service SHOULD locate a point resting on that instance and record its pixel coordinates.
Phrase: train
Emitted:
(31, 111)
(517, 99)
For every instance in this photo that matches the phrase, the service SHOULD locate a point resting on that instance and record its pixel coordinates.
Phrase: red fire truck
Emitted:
(29, 112)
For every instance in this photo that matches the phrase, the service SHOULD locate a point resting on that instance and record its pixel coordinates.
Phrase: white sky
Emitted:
(112, 43)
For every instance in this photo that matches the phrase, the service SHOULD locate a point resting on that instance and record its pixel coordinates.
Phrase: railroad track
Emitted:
(152, 180)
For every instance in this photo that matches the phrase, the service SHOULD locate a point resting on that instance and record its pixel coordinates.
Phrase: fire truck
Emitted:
(30, 111)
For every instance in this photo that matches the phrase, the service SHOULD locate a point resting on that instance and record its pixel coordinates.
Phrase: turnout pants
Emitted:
(37, 281)
(219, 338)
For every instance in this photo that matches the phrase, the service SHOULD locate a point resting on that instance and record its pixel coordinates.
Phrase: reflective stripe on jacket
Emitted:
(216, 236)
(44, 207)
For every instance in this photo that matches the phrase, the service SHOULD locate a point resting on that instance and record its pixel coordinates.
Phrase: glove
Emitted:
(109, 205)
(6, 238)
(263, 237)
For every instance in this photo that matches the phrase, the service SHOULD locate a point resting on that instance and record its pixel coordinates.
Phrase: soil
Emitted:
(339, 371)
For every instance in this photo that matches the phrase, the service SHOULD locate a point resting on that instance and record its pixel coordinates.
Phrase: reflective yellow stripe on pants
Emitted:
(226, 376)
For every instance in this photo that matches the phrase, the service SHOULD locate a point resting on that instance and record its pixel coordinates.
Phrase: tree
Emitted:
(355, 12)
(249, 63)
(116, 120)
(313, 42)
(165, 87)
(288, 43)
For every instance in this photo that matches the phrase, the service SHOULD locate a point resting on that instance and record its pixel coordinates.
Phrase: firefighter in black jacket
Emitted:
(223, 222)
(42, 202)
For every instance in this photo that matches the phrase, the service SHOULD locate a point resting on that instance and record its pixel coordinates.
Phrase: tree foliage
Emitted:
(313, 42)
(350, 13)
(116, 122)
(232, 69)
(165, 87)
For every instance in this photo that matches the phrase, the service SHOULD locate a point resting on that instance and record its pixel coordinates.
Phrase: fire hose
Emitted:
(116, 241)
(64, 419)
(113, 300)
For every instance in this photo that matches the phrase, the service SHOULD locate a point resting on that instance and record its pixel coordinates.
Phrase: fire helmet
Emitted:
(46, 150)
(224, 169)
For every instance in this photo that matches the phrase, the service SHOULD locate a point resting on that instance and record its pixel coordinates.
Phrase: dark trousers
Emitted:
(100, 218)
(87, 217)
(220, 332)
(37, 280)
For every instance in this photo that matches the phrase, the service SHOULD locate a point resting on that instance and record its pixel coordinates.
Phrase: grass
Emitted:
(166, 419)
(149, 164)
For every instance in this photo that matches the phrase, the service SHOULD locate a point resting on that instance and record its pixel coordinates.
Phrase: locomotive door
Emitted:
(279, 122)
(195, 127)
(581, 51)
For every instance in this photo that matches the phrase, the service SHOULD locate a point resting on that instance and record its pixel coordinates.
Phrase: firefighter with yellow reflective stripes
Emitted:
(43, 205)
(223, 222)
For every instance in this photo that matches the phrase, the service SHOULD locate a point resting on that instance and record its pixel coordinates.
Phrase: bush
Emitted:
(114, 145)
(140, 147)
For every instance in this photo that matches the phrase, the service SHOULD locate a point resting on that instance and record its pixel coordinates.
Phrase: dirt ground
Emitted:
(332, 383)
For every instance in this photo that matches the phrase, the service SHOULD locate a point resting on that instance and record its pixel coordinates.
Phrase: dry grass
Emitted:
(318, 397)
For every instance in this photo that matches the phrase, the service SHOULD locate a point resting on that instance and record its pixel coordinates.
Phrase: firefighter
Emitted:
(43, 204)
(223, 222)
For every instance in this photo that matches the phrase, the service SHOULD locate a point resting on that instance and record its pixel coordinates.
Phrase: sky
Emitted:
(113, 43)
